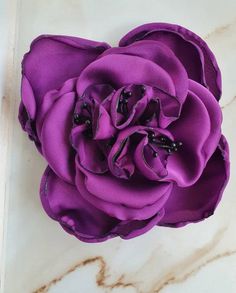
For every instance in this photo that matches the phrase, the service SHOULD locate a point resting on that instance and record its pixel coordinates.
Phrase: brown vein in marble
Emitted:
(176, 280)
(100, 277)
(172, 278)
(229, 103)
(220, 30)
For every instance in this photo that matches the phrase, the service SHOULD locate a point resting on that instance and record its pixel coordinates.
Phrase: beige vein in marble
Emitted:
(220, 30)
(198, 255)
(175, 280)
(170, 278)
(229, 103)
(100, 278)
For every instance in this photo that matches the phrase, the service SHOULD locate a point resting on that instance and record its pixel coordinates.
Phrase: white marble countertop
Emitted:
(38, 255)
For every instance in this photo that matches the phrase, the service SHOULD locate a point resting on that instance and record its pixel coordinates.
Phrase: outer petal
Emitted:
(122, 199)
(191, 50)
(50, 62)
(214, 112)
(63, 203)
(55, 137)
(50, 99)
(196, 202)
(198, 128)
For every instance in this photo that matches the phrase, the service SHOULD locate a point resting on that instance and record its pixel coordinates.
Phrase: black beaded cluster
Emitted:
(124, 99)
(162, 142)
(123, 102)
(84, 118)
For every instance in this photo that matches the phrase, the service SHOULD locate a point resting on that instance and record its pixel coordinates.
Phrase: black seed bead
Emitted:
(127, 94)
(143, 89)
(76, 118)
(88, 122)
(151, 136)
(155, 154)
(84, 105)
(163, 139)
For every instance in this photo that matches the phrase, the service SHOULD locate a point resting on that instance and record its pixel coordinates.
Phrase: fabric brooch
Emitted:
(131, 134)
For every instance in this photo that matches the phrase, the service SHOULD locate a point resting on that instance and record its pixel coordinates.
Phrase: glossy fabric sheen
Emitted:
(92, 111)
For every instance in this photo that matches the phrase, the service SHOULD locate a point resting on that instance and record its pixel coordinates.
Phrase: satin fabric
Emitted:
(132, 134)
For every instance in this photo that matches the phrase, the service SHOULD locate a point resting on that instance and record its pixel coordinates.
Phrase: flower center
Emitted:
(162, 142)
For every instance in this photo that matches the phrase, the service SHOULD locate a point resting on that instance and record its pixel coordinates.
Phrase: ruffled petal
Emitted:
(191, 50)
(142, 105)
(197, 202)
(63, 203)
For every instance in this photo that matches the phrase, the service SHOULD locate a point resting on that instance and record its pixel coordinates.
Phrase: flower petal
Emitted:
(196, 202)
(50, 62)
(90, 156)
(151, 167)
(54, 59)
(192, 51)
(55, 137)
(63, 203)
(160, 54)
(214, 112)
(49, 99)
(122, 199)
(120, 70)
(193, 129)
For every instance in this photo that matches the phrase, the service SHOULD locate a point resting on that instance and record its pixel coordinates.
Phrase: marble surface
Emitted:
(39, 256)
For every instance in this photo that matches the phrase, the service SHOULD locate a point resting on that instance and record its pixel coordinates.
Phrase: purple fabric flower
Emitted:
(131, 134)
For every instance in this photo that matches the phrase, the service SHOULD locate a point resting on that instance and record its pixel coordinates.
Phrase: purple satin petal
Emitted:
(151, 167)
(50, 62)
(115, 70)
(160, 54)
(90, 157)
(197, 202)
(170, 108)
(54, 59)
(185, 167)
(103, 128)
(27, 111)
(49, 100)
(191, 50)
(214, 112)
(120, 160)
(63, 203)
(135, 107)
(55, 137)
(126, 201)
(98, 92)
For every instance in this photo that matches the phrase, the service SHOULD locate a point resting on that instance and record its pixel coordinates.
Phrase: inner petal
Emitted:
(119, 70)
